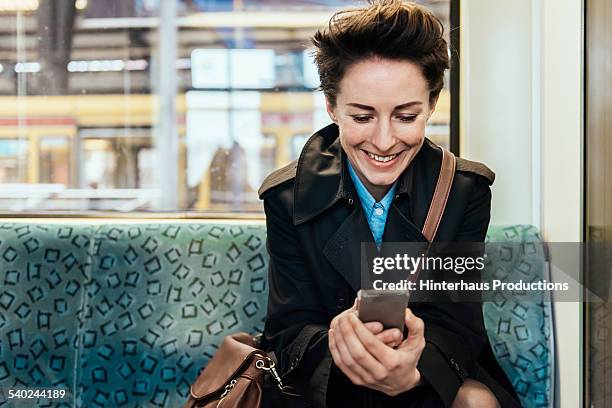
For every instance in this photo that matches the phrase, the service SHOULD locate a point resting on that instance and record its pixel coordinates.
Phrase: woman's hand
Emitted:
(391, 337)
(368, 361)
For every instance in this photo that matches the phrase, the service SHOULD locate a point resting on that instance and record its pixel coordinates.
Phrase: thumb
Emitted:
(416, 330)
(355, 304)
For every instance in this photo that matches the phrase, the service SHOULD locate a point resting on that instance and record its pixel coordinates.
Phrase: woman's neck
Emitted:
(378, 192)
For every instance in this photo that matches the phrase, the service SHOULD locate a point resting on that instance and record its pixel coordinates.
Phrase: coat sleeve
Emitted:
(454, 332)
(296, 323)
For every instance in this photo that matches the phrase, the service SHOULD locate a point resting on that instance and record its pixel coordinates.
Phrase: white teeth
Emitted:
(382, 159)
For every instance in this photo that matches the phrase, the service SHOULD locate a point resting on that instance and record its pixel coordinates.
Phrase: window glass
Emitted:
(13, 161)
(143, 105)
(54, 160)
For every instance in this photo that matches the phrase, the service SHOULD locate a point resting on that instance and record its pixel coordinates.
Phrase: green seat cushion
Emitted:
(128, 314)
(160, 298)
(42, 269)
(521, 332)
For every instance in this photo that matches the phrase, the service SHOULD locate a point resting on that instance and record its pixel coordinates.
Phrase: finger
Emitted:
(416, 334)
(337, 356)
(381, 352)
(392, 344)
(416, 327)
(334, 322)
(374, 327)
(354, 355)
(359, 353)
(333, 348)
(390, 336)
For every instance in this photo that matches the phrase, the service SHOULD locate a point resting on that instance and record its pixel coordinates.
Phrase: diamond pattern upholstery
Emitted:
(126, 315)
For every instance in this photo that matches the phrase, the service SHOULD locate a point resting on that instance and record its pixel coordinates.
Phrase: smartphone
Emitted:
(385, 306)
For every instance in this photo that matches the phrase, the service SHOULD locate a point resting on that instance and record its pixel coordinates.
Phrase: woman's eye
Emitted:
(407, 119)
(361, 119)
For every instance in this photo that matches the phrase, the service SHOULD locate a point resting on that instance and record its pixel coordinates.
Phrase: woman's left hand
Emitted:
(369, 362)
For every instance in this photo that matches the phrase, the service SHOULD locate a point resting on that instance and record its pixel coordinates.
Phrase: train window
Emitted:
(13, 162)
(115, 163)
(235, 174)
(99, 164)
(180, 105)
(54, 160)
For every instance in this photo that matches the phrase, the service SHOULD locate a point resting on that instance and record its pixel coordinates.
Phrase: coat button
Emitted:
(340, 303)
(455, 365)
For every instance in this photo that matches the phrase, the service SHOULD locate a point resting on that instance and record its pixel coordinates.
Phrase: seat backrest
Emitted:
(132, 312)
(521, 332)
(161, 298)
(42, 271)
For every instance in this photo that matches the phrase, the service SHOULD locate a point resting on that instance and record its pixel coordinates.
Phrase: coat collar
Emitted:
(350, 249)
(322, 179)
(322, 176)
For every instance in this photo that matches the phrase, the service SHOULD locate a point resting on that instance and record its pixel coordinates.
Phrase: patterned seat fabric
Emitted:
(521, 332)
(42, 271)
(127, 314)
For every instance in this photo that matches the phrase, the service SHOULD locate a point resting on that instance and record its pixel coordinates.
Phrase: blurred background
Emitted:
(144, 105)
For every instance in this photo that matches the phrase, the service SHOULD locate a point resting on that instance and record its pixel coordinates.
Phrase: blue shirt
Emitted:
(375, 212)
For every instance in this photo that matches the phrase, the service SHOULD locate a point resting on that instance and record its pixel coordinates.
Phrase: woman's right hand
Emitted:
(391, 337)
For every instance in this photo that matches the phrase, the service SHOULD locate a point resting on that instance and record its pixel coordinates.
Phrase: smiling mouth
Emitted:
(381, 159)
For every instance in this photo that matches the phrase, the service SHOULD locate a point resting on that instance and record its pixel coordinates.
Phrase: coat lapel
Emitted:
(399, 227)
(343, 249)
(323, 161)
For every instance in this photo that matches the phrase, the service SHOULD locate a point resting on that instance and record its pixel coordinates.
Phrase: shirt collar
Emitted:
(322, 176)
(367, 200)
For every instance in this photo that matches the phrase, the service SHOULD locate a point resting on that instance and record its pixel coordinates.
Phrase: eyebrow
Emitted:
(369, 108)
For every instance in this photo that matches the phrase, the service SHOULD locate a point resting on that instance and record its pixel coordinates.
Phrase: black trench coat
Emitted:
(316, 224)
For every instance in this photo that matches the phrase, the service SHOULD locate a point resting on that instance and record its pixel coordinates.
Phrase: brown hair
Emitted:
(387, 29)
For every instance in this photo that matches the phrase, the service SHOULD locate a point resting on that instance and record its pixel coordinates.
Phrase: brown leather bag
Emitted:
(234, 377)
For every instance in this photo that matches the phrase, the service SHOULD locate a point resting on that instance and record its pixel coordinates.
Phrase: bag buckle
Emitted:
(270, 368)
(228, 388)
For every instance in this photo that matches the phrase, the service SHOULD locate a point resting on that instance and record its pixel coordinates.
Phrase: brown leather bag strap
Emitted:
(440, 196)
(437, 205)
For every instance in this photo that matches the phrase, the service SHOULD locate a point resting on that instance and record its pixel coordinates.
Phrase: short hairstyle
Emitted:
(389, 29)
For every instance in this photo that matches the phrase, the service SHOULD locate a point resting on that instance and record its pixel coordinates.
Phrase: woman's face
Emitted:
(382, 107)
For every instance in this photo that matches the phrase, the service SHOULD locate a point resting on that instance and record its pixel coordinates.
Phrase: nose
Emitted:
(383, 139)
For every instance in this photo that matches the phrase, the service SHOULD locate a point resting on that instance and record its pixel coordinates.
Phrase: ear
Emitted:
(330, 111)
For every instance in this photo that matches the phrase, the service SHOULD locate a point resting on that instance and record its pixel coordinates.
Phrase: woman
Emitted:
(369, 176)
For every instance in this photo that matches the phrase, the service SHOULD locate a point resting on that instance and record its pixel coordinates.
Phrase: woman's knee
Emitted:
(474, 394)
